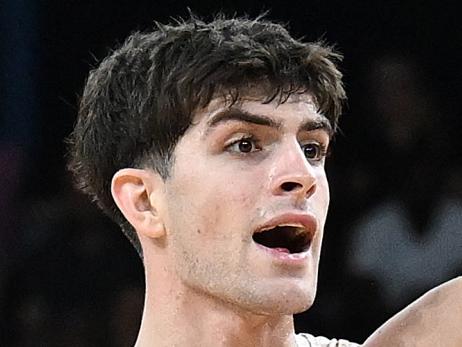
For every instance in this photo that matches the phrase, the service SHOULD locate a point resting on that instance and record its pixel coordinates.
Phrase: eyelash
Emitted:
(322, 148)
(249, 138)
(323, 151)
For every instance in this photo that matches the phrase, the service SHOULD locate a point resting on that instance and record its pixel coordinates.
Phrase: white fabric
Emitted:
(307, 340)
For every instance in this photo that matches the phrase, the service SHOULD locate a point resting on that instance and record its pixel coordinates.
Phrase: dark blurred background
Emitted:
(67, 275)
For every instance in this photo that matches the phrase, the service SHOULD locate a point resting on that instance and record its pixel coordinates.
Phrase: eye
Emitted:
(244, 145)
(314, 151)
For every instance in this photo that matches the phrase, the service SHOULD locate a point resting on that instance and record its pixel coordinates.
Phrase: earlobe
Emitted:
(136, 192)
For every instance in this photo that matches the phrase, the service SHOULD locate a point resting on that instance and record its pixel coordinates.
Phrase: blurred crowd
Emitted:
(68, 277)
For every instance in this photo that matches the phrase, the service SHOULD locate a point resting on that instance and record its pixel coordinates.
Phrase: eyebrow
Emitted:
(236, 114)
(320, 123)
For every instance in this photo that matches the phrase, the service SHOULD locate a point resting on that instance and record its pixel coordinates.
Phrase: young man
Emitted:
(206, 143)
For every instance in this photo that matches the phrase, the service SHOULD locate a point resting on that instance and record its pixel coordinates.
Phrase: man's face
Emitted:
(246, 203)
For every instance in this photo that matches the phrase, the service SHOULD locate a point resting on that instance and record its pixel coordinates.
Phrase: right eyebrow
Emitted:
(235, 114)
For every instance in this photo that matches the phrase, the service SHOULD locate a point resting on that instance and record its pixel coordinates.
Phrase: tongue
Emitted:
(280, 249)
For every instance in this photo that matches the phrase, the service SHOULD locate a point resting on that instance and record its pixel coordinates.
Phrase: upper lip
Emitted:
(305, 221)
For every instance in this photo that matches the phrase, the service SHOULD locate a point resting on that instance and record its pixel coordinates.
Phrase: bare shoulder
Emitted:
(435, 319)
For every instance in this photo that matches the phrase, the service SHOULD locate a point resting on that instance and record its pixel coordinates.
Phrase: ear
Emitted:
(137, 194)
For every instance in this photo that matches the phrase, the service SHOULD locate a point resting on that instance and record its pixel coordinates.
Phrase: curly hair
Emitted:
(141, 99)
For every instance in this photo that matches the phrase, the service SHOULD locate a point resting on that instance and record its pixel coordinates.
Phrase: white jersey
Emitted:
(307, 340)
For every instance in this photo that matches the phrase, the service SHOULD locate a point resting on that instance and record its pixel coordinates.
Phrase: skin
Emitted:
(434, 320)
(235, 169)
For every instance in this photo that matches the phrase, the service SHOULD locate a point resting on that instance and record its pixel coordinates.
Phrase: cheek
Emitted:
(227, 205)
(232, 186)
(322, 195)
(206, 205)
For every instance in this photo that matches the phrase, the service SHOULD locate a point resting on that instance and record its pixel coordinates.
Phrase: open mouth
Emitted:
(290, 239)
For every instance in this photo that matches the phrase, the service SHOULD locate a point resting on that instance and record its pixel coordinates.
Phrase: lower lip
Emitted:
(284, 256)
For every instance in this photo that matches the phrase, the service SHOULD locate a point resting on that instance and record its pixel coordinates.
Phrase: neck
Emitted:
(177, 315)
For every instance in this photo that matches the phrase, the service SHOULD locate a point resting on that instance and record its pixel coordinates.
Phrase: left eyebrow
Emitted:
(320, 123)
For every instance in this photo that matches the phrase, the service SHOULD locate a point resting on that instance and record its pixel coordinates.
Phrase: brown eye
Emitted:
(245, 146)
(312, 151)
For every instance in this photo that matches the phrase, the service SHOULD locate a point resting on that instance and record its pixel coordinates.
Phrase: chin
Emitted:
(294, 303)
(286, 301)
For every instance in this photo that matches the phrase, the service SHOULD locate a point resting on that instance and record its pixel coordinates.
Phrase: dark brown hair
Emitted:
(142, 97)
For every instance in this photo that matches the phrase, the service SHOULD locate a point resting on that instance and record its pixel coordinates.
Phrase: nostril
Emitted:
(290, 186)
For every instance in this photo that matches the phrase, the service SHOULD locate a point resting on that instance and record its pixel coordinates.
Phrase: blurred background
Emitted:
(68, 277)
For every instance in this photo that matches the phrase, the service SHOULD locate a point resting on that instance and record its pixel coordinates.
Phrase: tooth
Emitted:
(299, 227)
(295, 225)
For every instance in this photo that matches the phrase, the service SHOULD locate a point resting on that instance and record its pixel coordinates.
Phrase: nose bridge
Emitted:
(291, 172)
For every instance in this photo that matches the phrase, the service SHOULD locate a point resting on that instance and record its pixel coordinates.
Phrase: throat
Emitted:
(200, 319)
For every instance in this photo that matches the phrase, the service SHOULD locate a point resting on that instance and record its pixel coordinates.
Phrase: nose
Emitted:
(292, 174)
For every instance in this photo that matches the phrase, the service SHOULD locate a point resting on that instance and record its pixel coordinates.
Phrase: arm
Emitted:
(433, 320)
